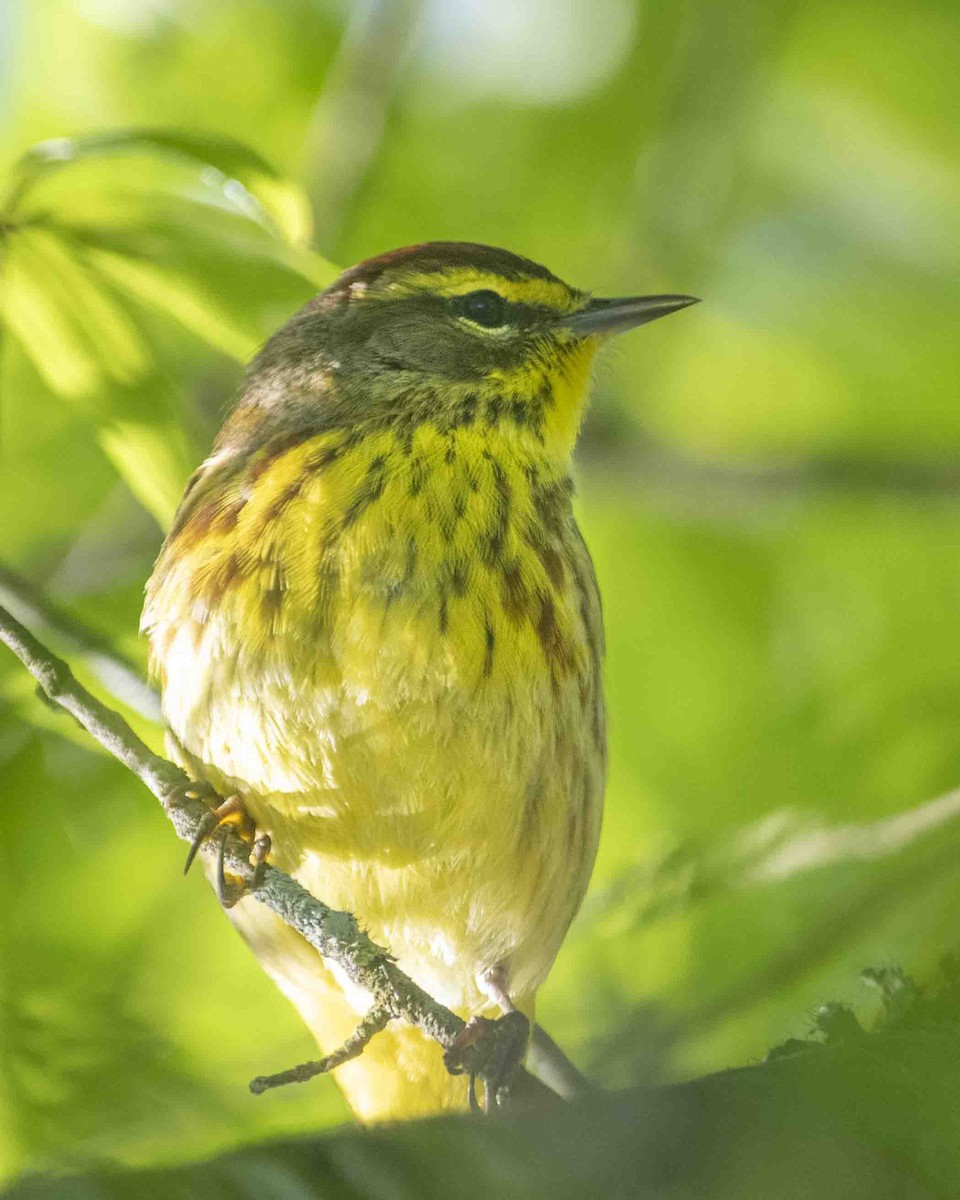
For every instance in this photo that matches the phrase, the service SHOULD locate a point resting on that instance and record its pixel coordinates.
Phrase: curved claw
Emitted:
(206, 827)
(230, 893)
(231, 807)
(226, 898)
(230, 811)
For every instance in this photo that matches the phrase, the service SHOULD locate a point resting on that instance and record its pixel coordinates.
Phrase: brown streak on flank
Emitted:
(552, 504)
(186, 506)
(573, 829)
(490, 641)
(532, 811)
(464, 412)
(493, 409)
(552, 563)
(513, 595)
(449, 515)
(323, 457)
(591, 617)
(444, 613)
(214, 517)
(531, 472)
(226, 519)
(279, 503)
(211, 583)
(410, 567)
(549, 556)
(536, 409)
(419, 470)
(193, 528)
(459, 577)
(493, 542)
(271, 602)
(369, 491)
(556, 648)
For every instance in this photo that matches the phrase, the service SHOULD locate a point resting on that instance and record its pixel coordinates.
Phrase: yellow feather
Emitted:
(389, 645)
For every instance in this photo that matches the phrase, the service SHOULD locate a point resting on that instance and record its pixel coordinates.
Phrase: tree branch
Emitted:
(334, 935)
(117, 674)
(375, 1020)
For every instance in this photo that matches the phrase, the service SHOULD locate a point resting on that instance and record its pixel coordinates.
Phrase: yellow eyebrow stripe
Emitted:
(548, 293)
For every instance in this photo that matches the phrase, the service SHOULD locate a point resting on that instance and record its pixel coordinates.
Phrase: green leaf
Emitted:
(105, 323)
(36, 310)
(238, 175)
(181, 297)
(150, 451)
(68, 319)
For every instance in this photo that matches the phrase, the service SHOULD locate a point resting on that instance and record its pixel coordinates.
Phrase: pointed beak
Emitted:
(615, 316)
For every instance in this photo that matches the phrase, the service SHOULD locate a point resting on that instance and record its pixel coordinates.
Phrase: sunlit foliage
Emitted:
(768, 488)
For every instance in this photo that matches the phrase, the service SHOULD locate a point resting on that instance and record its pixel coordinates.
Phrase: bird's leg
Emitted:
(231, 812)
(490, 1050)
(494, 983)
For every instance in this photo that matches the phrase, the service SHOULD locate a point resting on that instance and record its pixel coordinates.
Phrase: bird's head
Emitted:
(445, 332)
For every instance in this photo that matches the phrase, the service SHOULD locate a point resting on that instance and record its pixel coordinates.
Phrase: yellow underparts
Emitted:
(390, 646)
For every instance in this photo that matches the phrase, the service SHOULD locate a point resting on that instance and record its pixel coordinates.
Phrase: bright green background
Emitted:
(768, 483)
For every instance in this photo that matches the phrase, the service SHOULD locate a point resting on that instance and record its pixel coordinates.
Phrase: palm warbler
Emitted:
(376, 622)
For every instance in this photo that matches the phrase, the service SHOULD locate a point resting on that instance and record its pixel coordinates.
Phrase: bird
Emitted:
(376, 624)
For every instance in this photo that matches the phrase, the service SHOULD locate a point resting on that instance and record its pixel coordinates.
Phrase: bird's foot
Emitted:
(491, 1051)
(230, 814)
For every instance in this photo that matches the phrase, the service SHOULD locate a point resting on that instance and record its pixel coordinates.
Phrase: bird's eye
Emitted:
(483, 308)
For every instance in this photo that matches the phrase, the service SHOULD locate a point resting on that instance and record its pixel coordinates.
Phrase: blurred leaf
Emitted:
(144, 438)
(86, 346)
(182, 298)
(879, 1119)
(783, 662)
(105, 322)
(243, 178)
(67, 282)
(48, 328)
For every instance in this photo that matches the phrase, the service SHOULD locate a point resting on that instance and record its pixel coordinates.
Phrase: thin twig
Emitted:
(121, 679)
(335, 935)
(117, 674)
(376, 1020)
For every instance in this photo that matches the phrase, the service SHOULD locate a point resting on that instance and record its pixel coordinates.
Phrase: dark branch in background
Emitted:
(335, 935)
(725, 487)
